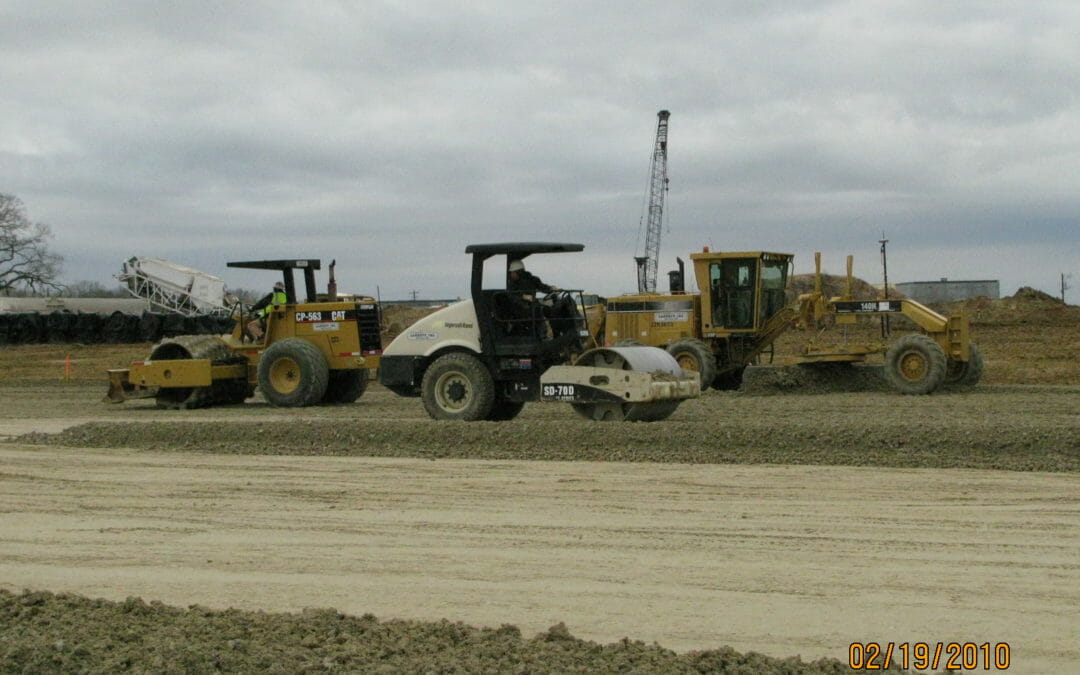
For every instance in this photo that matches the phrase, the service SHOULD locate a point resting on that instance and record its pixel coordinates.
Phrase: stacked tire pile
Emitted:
(91, 328)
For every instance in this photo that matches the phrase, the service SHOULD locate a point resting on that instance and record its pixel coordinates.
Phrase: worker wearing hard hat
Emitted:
(263, 307)
(525, 282)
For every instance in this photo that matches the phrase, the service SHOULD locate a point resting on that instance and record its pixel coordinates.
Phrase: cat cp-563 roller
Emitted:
(316, 348)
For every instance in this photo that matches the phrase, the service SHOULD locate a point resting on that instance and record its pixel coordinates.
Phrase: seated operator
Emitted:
(257, 326)
(525, 283)
(523, 286)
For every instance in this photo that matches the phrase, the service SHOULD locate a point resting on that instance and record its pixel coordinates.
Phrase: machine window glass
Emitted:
(733, 292)
(773, 282)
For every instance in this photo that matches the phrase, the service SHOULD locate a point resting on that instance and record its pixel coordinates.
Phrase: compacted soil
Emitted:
(744, 530)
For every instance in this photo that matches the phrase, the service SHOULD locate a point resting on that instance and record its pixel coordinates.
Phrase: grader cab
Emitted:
(717, 332)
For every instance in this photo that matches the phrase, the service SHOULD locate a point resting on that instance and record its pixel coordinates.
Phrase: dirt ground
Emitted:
(745, 531)
(743, 522)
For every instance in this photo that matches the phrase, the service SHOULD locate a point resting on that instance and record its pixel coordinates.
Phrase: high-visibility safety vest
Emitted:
(278, 298)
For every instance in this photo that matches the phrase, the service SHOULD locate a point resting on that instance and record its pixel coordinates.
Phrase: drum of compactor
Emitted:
(640, 359)
(210, 347)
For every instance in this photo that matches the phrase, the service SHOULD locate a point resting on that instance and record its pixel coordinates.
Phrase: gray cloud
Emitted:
(390, 135)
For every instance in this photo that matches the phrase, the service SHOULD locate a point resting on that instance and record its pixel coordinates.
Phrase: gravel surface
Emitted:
(1017, 428)
(1024, 428)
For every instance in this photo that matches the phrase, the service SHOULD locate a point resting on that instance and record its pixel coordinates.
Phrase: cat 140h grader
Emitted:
(315, 351)
(741, 310)
(483, 358)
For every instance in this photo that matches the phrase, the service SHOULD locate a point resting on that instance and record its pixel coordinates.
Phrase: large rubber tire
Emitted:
(694, 355)
(293, 374)
(345, 386)
(457, 386)
(199, 347)
(503, 410)
(915, 365)
(965, 373)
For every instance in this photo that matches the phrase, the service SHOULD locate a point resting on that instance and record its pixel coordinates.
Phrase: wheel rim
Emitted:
(688, 362)
(913, 366)
(285, 375)
(453, 391)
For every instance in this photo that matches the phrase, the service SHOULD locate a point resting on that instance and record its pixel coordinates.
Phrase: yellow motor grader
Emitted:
(318, 350)
(741, 310)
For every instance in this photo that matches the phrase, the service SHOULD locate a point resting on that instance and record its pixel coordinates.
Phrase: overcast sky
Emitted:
(389, 135)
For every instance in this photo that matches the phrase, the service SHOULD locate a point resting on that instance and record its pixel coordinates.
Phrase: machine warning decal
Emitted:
(328, 315)
(326, 326)
(671, 317)
(424, 335)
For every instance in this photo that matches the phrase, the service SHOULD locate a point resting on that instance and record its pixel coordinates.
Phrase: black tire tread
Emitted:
(315, 373)
(936, 365)
(482, 386)
(965, 374)
(701, 354)
(345, 386)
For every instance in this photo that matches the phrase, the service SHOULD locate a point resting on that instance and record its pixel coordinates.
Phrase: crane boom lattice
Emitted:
(658, 185)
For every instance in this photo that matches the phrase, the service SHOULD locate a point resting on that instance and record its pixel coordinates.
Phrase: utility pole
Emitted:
(885, 328)
(1064, 286)
(658, 185)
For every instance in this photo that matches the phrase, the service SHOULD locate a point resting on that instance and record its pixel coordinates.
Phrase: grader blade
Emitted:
(642, 384)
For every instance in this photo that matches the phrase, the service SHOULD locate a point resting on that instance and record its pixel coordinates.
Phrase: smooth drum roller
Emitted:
(656, 362)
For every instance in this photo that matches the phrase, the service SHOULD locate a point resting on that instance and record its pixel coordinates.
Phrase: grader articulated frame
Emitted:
(741, 310)
(914, 364)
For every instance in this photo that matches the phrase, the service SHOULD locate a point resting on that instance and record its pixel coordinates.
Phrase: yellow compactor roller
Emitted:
(316, 350)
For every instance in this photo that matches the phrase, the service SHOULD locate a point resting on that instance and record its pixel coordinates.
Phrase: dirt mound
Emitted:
(1028, 306)
(819, 378)
(42, 632)
(396, 318)
(832, 286)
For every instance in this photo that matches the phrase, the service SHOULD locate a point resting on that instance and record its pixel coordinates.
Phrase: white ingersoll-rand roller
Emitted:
(485, 357)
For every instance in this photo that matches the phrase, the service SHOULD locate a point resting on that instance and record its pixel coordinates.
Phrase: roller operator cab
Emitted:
(483, 358)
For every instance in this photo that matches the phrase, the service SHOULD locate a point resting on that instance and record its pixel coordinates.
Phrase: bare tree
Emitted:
(25, 259)
(94, 289)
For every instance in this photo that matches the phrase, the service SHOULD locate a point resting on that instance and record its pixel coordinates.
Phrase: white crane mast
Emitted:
(658, 185)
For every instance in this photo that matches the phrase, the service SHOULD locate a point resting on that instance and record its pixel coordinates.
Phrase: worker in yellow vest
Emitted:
(257, 326)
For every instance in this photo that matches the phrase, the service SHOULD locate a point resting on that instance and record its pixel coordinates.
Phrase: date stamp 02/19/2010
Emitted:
(929, 655)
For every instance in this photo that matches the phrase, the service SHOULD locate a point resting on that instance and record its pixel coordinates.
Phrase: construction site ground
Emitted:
(744, 530)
